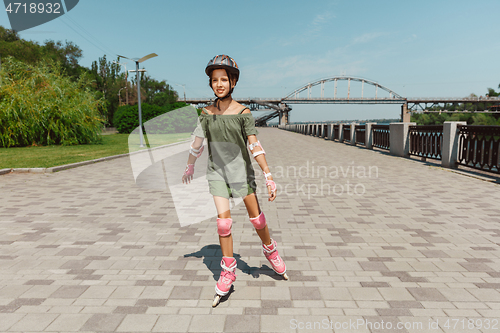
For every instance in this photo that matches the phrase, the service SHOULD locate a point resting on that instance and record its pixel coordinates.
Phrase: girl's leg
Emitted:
(269, 246)
(253, 209)
(228, 263)
(226, 242)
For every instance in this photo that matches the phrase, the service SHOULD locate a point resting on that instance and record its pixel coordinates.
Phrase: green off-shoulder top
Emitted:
(229, 170)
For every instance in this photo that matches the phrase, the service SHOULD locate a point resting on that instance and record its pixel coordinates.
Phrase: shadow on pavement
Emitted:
(212, 255)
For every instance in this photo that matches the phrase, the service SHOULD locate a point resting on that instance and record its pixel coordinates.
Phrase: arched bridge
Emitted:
(353, 90)
(294, 97)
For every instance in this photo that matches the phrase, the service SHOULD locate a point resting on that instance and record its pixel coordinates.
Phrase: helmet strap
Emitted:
(218, 99)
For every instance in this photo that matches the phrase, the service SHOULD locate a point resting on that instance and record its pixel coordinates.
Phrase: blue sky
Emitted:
(415, 48)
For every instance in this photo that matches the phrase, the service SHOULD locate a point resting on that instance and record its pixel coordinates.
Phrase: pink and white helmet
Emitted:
(225, 62)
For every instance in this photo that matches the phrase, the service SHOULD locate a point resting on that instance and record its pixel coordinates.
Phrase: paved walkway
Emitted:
(395, 241)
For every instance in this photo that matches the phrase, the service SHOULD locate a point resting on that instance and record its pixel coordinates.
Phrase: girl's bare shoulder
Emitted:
(210, 108)
(240, 107)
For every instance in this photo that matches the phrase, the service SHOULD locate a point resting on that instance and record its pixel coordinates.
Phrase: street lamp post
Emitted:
(137, 61)
(126, 79)
(184, 88)
(119, 96)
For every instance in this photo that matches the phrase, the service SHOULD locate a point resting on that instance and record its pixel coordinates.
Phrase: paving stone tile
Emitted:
(137, 323)
(427, 294)
(151, 302)
(185, 292)
(245, 323)
(131, 309)
(149, 282)
(261, 311)
(488, 285)
(457, 295)
(374, 284)
(201, 322)
(405, 304)
(275, 324)
(172, 323)
(68, 322)
(365, 294)
(39, 282)
(393, 312)
(330, 293)
(103, 322)
(34, 322)
(69, 292)
(7, 320)
(305, 293)
(153, 292)
(275, 293)
(98, 292)
(127, 292)
(485, 294)
(373, 266)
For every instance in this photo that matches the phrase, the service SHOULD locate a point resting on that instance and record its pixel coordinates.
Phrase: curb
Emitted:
(78, 164)
(5, 171)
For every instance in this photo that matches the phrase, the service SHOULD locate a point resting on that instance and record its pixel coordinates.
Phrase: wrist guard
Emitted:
(270, 182)
(189, 170)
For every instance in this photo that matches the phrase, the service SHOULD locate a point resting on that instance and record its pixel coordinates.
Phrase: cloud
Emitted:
(313, 30)
(319, 21)
(411, 38)
(365, 38)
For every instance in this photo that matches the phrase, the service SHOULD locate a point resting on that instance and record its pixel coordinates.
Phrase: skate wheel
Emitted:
(216, 301)
(285, 276)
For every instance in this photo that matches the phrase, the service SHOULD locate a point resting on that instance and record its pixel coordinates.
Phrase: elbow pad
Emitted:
(257, 153)
(196, 152)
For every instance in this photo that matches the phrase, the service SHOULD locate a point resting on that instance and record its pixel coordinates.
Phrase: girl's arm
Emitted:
(261, 160)
(197, 143)
(188, 173)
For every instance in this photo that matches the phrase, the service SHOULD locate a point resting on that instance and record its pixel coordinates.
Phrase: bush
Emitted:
(172, 118)
(39, 105)
(126, 118)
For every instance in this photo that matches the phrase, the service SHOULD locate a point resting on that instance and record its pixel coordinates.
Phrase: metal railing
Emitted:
(478, 147)
(360, 131)
(347, 133)
(336, 134)
(381, 136)
(426, 141)
(325, 131)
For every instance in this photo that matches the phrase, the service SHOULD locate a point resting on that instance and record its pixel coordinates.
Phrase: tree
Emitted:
(32, 53)
(493, 93)
(107, 81)
(155, 92)
(8, 35)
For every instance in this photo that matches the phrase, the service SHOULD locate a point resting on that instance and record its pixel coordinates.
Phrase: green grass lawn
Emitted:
(50, 156)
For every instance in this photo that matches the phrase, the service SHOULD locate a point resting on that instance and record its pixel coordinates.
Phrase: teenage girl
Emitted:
(228, 127)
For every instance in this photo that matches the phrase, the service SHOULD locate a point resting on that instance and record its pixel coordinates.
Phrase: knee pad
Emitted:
(259, 222)
(224, 226)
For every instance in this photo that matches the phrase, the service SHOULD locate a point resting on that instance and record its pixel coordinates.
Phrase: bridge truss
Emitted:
(454, 105)
(294, 96)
